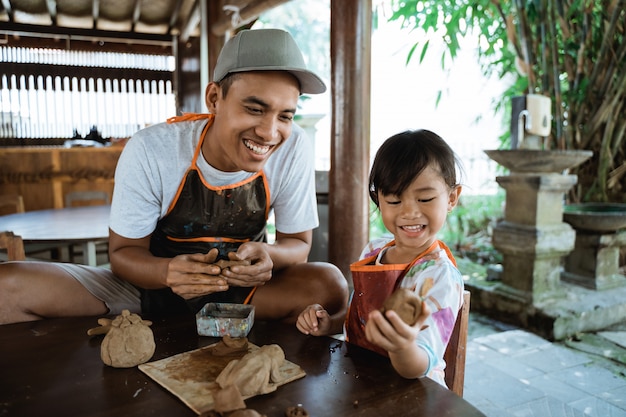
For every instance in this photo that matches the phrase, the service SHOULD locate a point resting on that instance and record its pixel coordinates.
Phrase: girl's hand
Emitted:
(389, 332)
(314, 320)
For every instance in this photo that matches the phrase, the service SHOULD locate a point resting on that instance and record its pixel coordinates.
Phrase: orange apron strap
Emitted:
(448, 251)
(187, 117)
(249, 297)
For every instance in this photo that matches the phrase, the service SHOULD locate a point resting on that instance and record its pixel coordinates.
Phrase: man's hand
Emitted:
(195, 275)
(257, 273)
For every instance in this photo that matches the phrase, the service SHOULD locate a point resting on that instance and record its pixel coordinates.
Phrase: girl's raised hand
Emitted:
(314, 320)
(391, 333)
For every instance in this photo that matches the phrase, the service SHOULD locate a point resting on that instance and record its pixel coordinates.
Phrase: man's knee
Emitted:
(9, 279)
(330, 281)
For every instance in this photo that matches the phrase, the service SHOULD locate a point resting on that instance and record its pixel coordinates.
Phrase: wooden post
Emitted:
(350, 35)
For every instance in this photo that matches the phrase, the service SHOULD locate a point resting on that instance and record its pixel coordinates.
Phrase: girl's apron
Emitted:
(202, 217)
(372, 285)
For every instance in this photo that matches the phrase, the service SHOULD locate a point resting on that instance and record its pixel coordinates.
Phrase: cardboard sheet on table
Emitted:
(191, 375)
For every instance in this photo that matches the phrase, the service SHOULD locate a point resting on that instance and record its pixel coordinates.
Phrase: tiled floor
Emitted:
(515, 373)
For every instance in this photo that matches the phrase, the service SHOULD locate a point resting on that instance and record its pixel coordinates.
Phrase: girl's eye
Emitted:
(392, 202)
(426, 200)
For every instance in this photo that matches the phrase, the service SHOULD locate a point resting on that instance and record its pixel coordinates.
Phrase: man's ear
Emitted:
(211, 95)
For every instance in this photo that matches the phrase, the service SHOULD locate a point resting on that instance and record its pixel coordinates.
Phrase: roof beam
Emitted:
(52, 11)
(136, 15)
(175, 14)
(246, 15)
(95, 12)
(7, 6)
(191, 24)
(12, 29)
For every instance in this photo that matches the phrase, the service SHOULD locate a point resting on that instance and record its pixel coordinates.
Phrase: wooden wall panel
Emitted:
(44, 175)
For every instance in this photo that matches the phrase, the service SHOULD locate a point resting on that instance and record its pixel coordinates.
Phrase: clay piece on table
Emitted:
(246, 413)
(405, 303)
(297, 411)
(227, 399)
(229, 346)
(258, 372)
(224, 263)
(129, 341)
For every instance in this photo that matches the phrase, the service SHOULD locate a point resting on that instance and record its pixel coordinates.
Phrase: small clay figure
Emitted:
(129, 341)
(229, 346)
(405, 303)
(258, 372)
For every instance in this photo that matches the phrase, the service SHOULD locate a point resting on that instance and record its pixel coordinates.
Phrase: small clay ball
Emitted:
(297, 411)
(405, 303)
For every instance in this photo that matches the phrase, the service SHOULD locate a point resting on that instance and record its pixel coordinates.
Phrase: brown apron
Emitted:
(201, 217)
(372, 285)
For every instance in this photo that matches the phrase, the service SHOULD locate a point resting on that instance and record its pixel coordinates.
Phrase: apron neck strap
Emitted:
(436, 243)
(188, 117)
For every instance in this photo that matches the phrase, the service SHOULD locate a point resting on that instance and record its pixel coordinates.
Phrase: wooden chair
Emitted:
(456, 350)
(14, 203)
(13, 245)
(87, 198)
(11, 203)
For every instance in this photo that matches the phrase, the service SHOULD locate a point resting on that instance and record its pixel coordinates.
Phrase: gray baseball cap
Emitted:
(266, 50)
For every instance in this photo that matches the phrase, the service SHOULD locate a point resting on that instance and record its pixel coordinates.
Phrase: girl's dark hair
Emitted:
(404, 156)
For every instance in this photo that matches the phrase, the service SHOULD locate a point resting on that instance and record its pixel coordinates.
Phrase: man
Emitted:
(201, 188)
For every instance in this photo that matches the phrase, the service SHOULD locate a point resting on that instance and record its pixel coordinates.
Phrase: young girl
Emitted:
(413, 183)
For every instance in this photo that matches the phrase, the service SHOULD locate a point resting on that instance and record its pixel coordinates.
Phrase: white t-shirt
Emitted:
(155, 160)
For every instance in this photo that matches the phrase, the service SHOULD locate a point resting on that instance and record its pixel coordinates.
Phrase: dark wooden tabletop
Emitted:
(53, 368)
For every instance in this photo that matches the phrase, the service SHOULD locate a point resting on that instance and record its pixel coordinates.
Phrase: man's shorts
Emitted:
(116, 293)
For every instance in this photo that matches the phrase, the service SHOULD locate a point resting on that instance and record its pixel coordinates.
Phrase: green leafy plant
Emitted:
(573, 51)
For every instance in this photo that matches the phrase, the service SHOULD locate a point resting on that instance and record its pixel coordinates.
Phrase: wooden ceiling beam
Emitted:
(246, 15)
(52, 11)
(88, 45)
(174, 17)
(95, 12)
(7, 6)
(55, 32)
(136, 15)
(191, 24)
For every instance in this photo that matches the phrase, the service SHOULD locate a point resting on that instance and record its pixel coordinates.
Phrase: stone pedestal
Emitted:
(533, 238)
(594, 263)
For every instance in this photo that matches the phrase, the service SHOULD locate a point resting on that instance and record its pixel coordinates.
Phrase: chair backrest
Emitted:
(11, 203)
(13, 245)
(456, 350)
(86, 198)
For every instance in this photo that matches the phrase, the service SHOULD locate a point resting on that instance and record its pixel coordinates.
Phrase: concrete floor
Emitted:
(511, 372)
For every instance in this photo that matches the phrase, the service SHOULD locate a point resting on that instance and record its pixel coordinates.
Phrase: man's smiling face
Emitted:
(252, 121)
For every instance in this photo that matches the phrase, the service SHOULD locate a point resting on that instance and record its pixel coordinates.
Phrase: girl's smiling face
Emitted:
(416, 216)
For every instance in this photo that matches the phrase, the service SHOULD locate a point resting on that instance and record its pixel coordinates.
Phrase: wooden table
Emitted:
(53, 368)
(73, 225)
